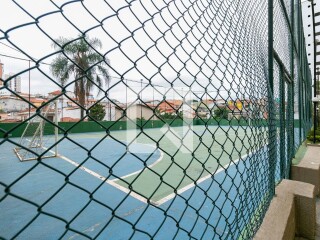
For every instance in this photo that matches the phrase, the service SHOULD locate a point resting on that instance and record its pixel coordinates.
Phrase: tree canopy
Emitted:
(80, 63)
(97, 112)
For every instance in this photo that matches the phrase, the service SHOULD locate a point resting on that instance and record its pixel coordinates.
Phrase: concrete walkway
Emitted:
(312, 158)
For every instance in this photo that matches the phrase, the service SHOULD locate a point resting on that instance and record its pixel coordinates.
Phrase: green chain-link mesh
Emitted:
(202, 117)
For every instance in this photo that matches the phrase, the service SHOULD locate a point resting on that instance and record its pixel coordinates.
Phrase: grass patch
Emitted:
(255, 220)
(300, 153)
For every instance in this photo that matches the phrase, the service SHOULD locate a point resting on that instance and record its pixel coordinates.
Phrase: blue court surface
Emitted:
(85, 192)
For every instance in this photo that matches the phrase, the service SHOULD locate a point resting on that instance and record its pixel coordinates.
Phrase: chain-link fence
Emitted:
(162, 119)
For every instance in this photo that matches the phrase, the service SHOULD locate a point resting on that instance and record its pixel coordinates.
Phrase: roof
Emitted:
(123, 106)
(72, 108)
(33, 110)
(207, 101)
(220, 100)
(37, 100)
(57, 92)
(174, 102)
(69, 119)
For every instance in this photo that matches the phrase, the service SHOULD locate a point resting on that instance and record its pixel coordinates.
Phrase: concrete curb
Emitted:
(292, 212)
(308, 170)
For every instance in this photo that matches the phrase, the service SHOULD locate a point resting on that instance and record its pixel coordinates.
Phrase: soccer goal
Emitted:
(39, 137)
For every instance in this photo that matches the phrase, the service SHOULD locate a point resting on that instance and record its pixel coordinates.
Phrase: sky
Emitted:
(308, 29)
(174, 45)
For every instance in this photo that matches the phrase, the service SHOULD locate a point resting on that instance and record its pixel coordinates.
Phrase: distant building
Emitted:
(9, 117)
(25, 114)
(66, 102)
(1, 75)
(69, 119)
(3, 91)
(12, 104)
(135, 112)
(188, 111)
(37, 101)
(69, 114)
(15, 83)
(170, 106)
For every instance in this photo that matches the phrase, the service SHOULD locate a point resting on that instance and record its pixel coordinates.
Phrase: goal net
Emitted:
(39, 136)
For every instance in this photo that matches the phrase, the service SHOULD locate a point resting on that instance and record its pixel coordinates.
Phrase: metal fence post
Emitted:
(271, 122)
(282, 117)
(293, 77)
(299, 75)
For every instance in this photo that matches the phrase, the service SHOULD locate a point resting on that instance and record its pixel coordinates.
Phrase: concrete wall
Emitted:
(70, 112)
(12, 104)
(292, 212)
(139, 111)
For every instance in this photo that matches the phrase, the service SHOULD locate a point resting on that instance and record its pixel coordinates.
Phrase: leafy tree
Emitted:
(140, 119)
(80, 61)
(97, 112)
(221, 113)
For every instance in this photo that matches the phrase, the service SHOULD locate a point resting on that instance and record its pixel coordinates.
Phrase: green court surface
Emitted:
(189, 155)
(128, 170)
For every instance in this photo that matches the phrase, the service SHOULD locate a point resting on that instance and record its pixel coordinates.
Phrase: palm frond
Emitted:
(81, 57)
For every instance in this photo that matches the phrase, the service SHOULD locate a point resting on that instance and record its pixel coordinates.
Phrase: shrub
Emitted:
(310, 135)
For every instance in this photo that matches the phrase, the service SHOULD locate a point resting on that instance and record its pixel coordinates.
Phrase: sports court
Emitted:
(102, 183)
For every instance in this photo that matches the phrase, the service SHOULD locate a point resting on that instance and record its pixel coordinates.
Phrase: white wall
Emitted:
(70, 112)
(188, 111)
(11, 104)
(110, 113)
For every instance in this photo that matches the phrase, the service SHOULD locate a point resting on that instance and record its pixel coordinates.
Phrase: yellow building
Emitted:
(238, 104)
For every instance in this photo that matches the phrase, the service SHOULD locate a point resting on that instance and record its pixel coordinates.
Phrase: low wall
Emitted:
(292, 212)
(16, 129)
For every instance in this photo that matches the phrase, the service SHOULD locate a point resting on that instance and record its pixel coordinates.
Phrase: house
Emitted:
(26, 113)
(69, 119)
(11, 103)
(220, 103)
(170, 106)
(203, 109)
(63, 98)
(135, 112)
(37, 101)
(247, 108)
(68, 105)
(68, 113)
(119, 113)
(188, 111)
(9, 117)
(153, 103)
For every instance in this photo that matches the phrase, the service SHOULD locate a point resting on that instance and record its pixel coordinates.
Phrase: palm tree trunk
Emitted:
(82, 104)
(82, 97)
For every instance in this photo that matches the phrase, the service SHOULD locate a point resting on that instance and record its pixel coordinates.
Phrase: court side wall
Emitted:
(16, 129)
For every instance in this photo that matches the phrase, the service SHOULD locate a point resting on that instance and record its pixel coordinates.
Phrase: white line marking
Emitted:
(90, 229)
(136, 172)
(121, 188)
(181, 190)
(138, 196)
(143, 199)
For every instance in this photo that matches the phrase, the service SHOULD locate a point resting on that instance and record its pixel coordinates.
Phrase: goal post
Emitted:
(38, 139)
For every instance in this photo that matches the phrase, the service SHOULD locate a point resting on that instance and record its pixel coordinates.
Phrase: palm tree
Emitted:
(80, 61)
